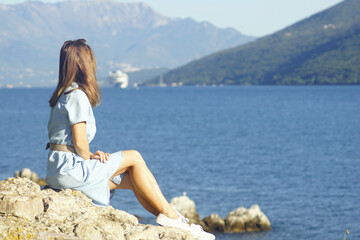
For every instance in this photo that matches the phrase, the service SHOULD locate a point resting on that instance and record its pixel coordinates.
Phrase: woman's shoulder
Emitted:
(77, 97)
(76, 94)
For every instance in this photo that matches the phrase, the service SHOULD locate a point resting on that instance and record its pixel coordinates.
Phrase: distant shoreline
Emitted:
(198, 86)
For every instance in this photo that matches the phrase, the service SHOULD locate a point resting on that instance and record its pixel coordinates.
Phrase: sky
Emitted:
(250, 17)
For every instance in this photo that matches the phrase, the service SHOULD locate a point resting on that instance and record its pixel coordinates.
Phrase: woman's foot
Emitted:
(183, 223)
(180, 222)
(199, 233)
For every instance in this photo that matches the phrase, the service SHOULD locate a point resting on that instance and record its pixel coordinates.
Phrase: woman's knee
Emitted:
(136, 157)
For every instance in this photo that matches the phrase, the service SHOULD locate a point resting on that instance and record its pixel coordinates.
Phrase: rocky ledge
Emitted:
(27, 212)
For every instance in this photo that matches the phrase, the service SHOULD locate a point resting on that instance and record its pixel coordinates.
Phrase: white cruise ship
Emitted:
(119, 79)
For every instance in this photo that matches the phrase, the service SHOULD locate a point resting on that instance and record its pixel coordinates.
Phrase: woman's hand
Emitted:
(82, 146)
(103, 157)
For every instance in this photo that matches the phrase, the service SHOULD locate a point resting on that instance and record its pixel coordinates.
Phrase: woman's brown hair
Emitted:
(77, 64)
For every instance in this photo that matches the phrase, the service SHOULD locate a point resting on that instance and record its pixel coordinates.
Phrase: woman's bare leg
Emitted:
(127, 184)
(144, 183)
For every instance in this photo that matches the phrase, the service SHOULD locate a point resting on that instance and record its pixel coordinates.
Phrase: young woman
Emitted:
(71, 128)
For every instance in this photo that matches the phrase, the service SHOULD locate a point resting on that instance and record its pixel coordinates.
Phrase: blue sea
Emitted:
(294, 151)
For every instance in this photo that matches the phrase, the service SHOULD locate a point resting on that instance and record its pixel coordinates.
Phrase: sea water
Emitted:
(294, 151)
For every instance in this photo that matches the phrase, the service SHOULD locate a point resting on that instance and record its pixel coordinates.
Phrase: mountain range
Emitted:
(128, 36)
(321, 49)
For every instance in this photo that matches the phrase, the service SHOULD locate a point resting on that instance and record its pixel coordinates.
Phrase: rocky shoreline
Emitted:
(237, 221)
(27, 212)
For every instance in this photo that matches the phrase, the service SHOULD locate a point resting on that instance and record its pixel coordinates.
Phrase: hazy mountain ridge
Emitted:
(32, 33)
(322, 49)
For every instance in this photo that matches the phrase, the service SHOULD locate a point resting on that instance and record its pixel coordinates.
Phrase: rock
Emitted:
(42, 182)
(27, 212)
(250, 220)
(152, 232)
(87, 230)
(215, 223)
(34, 177)
(25, 207)
(27, 173)
(239, 220)
(187, 208)
(235, 223)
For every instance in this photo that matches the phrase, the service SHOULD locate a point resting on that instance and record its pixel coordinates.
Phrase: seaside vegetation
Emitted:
(322, 49)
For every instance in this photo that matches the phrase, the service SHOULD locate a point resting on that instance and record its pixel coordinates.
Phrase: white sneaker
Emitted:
(199, 233)
(183, 223)
(180, 222)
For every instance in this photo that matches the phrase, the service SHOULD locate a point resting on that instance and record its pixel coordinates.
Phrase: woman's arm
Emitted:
(80, 141)
(82, 146)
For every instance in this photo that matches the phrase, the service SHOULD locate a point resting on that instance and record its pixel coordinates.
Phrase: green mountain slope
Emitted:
(322, 49)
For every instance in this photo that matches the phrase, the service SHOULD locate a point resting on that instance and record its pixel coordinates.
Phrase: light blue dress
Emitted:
(69, 170)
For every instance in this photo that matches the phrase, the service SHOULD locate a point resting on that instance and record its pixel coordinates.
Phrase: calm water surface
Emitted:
(293, 150)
